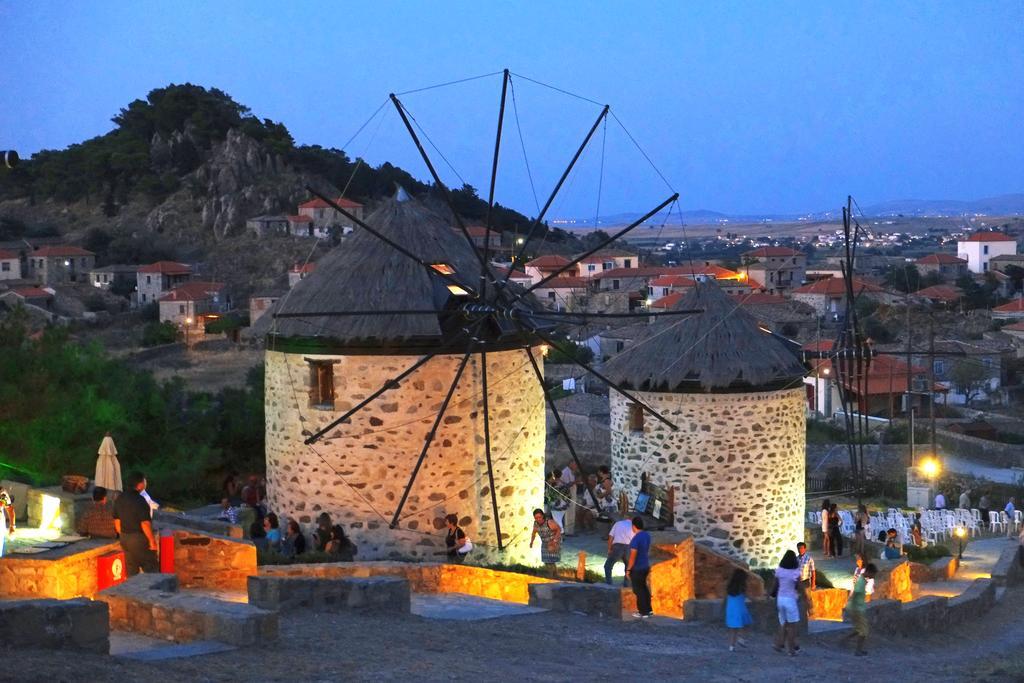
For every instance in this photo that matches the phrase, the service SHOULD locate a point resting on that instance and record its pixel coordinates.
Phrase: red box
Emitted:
(110, 569)
(166, 553)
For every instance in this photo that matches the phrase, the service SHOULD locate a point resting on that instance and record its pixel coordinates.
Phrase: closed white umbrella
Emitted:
(108, 469)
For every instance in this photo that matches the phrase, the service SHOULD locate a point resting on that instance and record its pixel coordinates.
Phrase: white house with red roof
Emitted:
(605, 260)
(1011, 311)
(564, 293)
(60, 264)
(191, 302)
(542, 266)
(10, 265)
(482, 236)
(316, 217)
(979, 248)
(778, 269)
(156, 279)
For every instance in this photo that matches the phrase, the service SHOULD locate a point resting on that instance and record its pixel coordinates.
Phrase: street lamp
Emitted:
(930, 468)
(960, 532)
(188, 324)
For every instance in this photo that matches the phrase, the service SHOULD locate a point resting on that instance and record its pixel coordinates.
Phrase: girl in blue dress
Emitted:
(737, 617)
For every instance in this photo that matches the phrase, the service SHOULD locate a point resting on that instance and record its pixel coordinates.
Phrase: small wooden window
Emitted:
(636, 417)
(321, 384)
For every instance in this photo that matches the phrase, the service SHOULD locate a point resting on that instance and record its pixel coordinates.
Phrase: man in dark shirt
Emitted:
(133, 523)
(98, 521)
(639, 568)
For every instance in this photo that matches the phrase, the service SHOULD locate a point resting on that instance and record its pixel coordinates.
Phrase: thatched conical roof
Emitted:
(366, 274)
(720, 349)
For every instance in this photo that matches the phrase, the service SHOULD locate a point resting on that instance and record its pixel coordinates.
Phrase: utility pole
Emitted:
(931, 380)
(910, 384)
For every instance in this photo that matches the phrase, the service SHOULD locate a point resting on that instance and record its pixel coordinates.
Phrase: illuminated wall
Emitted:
(366, 464)
(737, 462)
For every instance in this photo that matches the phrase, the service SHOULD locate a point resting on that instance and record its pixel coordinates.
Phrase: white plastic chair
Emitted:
(1018, 519)
(995, 521)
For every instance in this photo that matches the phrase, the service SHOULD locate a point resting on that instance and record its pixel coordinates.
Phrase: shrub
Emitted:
(155, 334)
(931, 552)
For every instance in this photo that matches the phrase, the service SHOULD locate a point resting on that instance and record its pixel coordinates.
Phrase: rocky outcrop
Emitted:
(239, 179)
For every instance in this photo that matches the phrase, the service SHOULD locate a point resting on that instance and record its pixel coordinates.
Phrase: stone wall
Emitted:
(55, 625)
(151, 605)
(932, 613)
(379, 593)
(828, 603)
(1008, 570)
(367, 462)
(671, 577)
(893, 581)
(763, 611)
(71, 507)
(712, 571)
(68, 572)
(424, 577)
(737, 462)
(207, 561)
(592, 599)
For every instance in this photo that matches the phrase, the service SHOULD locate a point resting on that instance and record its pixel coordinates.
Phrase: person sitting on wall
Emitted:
(98, 520)
(272, 527)
(294, 542)
(322, 535)
(892, 537)
(916, 532)
(891, 552)
(228, 512)
(456, 542)
(341, 545)
(606, 492)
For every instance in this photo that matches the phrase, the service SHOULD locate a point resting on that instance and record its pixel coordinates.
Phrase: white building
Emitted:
(10, 265)
(979, 248)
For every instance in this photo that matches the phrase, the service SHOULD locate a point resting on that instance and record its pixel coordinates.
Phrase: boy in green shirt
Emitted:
(856, 609)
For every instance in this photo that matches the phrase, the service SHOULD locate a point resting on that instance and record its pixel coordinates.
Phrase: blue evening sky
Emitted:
(744, 106)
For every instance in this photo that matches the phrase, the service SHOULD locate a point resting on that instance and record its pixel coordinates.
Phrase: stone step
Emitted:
(150, 604)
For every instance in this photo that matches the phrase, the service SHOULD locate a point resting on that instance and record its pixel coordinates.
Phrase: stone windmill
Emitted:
(403, 381)
(736, 391)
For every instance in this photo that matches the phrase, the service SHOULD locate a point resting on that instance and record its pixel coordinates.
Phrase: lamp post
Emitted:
(960, 532)
(188, 324)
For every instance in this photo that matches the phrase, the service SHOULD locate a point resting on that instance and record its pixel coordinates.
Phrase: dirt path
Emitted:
(554, 647)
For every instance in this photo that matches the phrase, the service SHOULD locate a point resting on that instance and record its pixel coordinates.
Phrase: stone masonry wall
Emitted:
(366, 463)
(70, 576)
(737, 462)
(212, 562)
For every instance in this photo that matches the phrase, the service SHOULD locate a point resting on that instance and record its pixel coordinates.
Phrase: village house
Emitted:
(948, 266)
(543, 266)
(778, 269)
(10, 265)
(323, 217)
(1011, 311)
(34, 296)
(564, 293)
(1004, 261)
(519, 276)
(879, 390)
(979, 249)
(260, 303)
(946, 296)
(192, 302)
(1015, 330)
(125, 277)
(618, 339)
(479, 235)
(988, 361)
(267, 226)
(156, 279)
(828, 296)
(298, 273)
(605, 260)
(60, 264)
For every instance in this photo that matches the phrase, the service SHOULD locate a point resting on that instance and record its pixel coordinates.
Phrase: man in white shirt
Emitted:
(965, 500)
(619, 537)
(940, 501)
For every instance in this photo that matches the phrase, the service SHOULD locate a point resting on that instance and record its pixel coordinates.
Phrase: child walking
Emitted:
(737, 617)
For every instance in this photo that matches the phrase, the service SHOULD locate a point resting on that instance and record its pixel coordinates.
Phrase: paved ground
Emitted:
(459, 607)
(552, 647)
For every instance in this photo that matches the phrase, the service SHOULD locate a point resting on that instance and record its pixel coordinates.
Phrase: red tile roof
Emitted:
(673, 281)
(7, 255)
(605, 254)
(836, 286)
(31, 292)
(944, 293)
(764, 252)
(990, 236)
(548, 261)
(318, 203)
(300, 219)
(752, 299)
(1016, 327)
(938, 259)
(480, 231)
(304, 268)
(167, 268)
(194, 291)
(1015, 306)
(61, 250)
